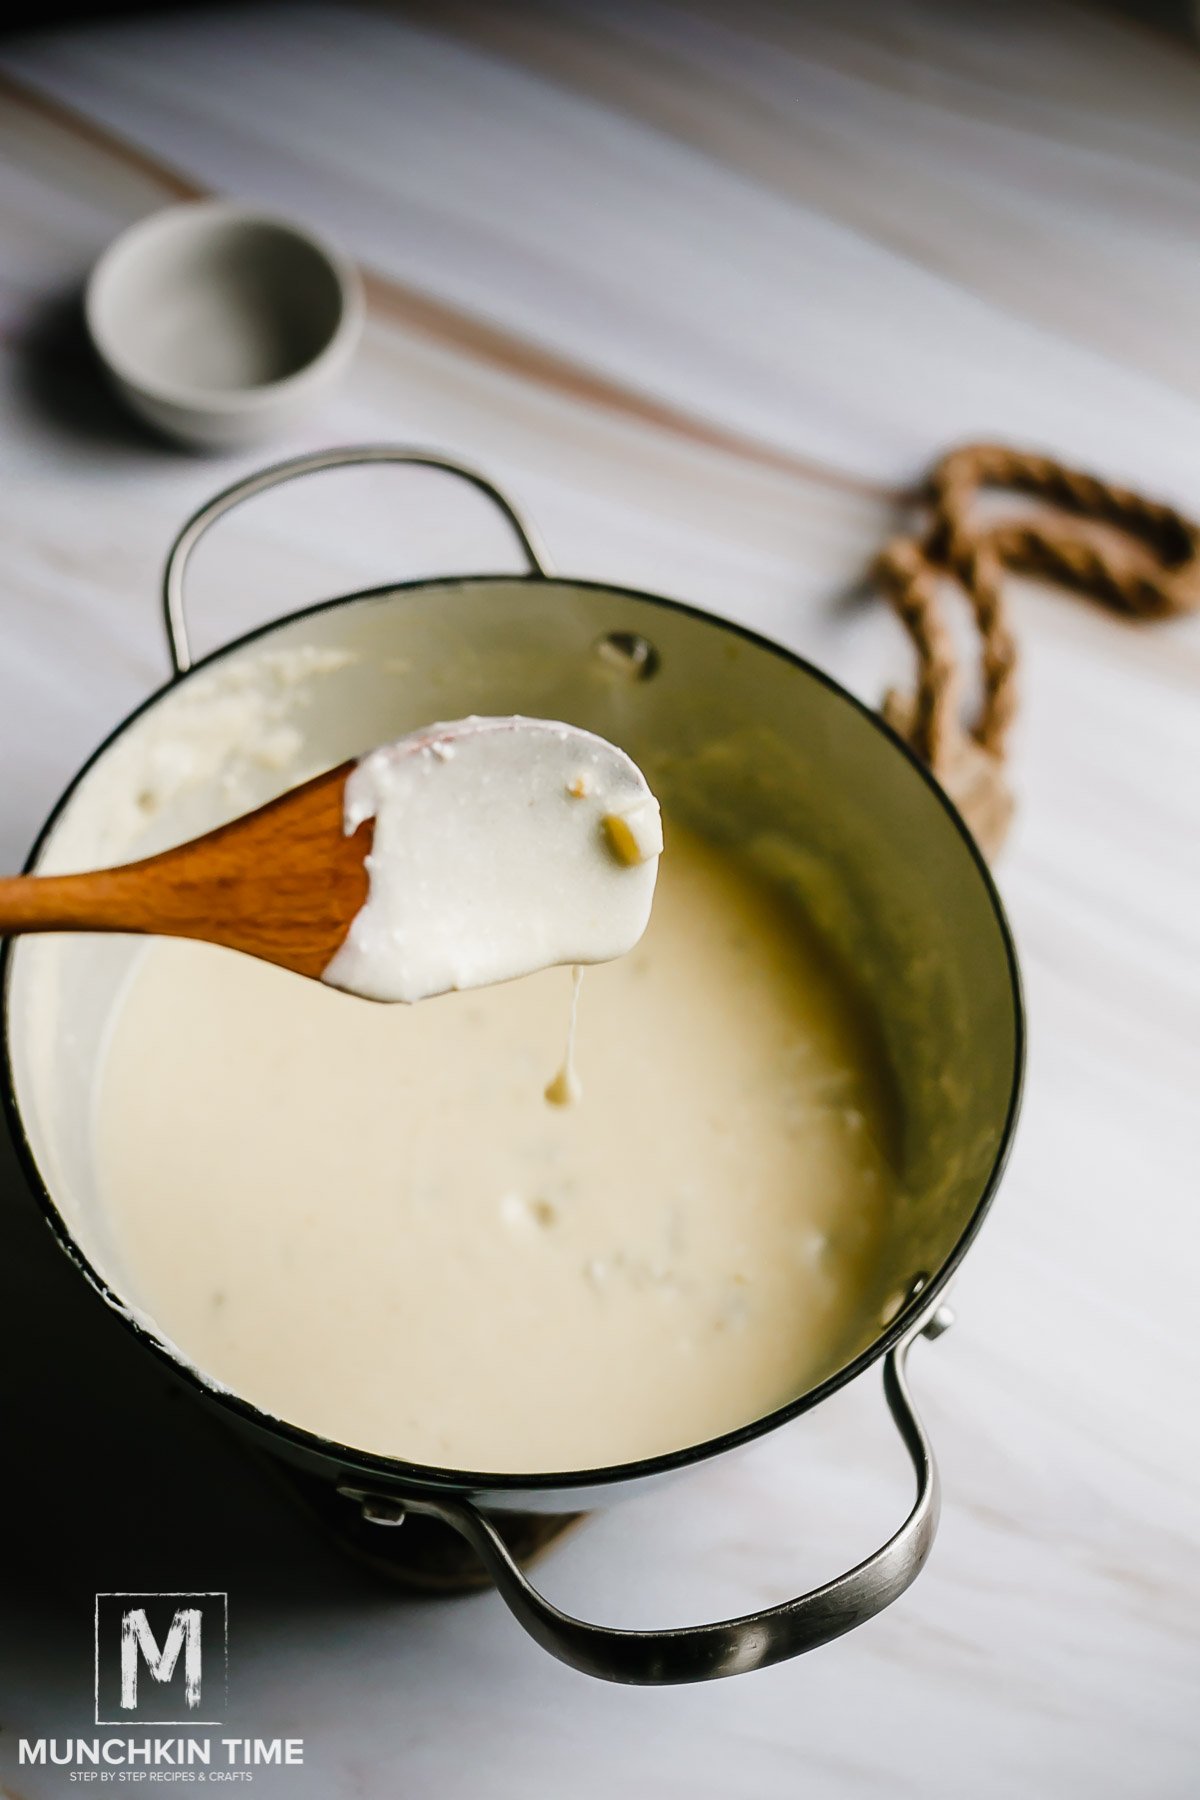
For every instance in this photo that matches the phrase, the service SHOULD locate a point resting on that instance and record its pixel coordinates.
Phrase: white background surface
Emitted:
(703, 296)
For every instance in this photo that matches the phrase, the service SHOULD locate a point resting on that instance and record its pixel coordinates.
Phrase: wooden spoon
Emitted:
(282, 884)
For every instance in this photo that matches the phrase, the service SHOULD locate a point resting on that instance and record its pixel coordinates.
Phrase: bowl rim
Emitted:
(394, 1473)
(202, 216)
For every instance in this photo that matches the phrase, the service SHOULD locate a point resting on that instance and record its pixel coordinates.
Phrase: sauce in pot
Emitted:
(370, 1222)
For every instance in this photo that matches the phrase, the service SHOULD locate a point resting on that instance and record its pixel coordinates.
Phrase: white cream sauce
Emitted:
(501, 846)
(368, 1221)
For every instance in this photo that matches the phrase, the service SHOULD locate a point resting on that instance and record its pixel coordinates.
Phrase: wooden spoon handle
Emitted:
(110, 900)
(282, 884)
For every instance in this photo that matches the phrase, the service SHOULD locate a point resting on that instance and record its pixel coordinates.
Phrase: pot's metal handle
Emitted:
(733, 1646)
(173, 575)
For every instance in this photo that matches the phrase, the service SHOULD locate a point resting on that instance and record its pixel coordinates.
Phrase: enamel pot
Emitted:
(738, 736)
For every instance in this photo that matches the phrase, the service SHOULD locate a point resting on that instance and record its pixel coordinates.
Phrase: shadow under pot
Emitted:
(756, 751)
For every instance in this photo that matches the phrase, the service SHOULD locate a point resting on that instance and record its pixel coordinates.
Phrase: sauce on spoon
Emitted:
(501, 846)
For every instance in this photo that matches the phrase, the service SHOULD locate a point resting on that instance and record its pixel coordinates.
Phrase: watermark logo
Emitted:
(161, 1658)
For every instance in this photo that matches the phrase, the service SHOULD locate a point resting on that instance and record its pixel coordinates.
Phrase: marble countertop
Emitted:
(705, 289)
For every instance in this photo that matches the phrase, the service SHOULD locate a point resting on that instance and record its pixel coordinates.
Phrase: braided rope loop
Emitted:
(1134, 555)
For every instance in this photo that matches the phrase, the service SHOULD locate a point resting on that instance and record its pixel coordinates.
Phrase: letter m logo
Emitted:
(160, 1658)
(137, 1643)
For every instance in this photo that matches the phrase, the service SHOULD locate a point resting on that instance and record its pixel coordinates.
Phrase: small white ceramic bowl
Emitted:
(221, 325)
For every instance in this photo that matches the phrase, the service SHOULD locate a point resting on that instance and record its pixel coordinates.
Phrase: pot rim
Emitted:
(392, 1470)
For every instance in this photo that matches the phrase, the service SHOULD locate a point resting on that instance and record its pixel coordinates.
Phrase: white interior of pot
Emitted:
(734, 737)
